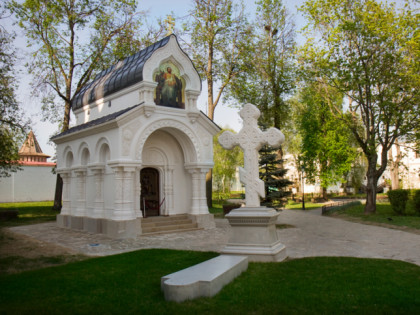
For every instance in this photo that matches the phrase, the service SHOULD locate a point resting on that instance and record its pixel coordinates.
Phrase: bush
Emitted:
(230, 206)
(398, 199)
(416, 200)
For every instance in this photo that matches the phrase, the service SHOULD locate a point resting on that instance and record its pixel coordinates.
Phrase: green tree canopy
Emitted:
(70, 41)
(272, 173)
(219, 34)
(13, 124)
(269, 78)
(225, 165)
(328, 147)
(368, 51)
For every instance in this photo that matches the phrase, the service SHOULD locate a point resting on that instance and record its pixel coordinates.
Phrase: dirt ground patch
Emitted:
(19, 253)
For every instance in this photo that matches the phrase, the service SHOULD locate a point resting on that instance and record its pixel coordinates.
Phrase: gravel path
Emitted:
(311, 235)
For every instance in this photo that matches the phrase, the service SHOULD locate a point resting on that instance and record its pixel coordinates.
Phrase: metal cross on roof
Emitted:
(170, 24)
(250, 138)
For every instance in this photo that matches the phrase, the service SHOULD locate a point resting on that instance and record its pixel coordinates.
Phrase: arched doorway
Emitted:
(149, 196)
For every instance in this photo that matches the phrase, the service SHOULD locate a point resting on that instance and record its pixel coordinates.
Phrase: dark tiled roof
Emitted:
(95, 122)
(121, 75)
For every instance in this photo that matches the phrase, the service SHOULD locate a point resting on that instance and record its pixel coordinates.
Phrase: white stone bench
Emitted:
(205, 279)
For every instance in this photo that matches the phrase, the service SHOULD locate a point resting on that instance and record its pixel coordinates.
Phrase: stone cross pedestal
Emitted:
(253, 228)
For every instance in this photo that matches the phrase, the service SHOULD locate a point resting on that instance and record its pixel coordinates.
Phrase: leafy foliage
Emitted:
(273, 174)
(12, 122)
(269, 77)
(369, 52)
(225, 165)
(71, 40)
(416, 200)
(398, 199)
(219, 34)
(327, 144)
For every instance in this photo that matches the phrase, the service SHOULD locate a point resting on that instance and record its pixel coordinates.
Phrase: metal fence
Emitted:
(338, 205)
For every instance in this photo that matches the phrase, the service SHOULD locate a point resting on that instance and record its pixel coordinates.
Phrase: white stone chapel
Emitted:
(140, 146)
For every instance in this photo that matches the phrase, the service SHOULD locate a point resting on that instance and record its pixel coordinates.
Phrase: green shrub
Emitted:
(398, 199)
(416, 200)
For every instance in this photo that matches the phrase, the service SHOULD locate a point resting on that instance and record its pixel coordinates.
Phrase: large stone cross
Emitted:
(251, 139)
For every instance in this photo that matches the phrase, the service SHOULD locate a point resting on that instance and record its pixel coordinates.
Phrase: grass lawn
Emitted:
(217, 208)
(29, 213)
(298, 205)
(384, 216)
(130, 283)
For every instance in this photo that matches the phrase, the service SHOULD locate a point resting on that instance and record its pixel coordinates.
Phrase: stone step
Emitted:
(169, 228)
(165, 223)
(165, 218)
(171, 224)
(205, 279)
(171, 231)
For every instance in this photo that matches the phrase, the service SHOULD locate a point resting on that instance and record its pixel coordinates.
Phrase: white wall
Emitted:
(32, 183)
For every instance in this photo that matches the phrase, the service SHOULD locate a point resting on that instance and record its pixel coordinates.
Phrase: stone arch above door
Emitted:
(184, 136)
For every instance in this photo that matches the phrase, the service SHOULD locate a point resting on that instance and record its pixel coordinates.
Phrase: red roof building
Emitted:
(31, 154)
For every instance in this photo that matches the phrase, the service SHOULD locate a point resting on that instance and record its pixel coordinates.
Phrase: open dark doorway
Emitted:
(149, 197)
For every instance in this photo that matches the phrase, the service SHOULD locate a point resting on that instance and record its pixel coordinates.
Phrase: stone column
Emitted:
(98, 204)
(128, 193)
(198, 199)
(124, 188)
(118, 185)
(137, 193)
(202, 199)
(66, 177)
(168, 190)
(191, 100)
(80, 210)
(195, 199)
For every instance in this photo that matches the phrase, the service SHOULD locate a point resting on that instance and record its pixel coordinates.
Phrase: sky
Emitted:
(225, 116)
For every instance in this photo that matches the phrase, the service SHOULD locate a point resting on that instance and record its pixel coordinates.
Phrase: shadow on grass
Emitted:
(29, 213)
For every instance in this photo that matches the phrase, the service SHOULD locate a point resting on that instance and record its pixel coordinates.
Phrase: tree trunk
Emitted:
(209, 188)
(372, 183)
(394, 169)
(324, 193)
(58, 193)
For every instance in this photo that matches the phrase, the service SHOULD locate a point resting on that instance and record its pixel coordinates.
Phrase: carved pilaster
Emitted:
(198, 199)
(128, 204)
(118, 184)
(168, 190)
(124, 188)
(137, 193)
(146, 95)
(191, 100)
(81, 194)
(66, 177)
(98, 204)
(202, 191)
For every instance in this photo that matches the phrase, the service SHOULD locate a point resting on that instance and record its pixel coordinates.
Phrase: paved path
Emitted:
(311, 235)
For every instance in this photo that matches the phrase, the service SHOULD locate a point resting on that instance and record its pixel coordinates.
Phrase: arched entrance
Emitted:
(149, 196)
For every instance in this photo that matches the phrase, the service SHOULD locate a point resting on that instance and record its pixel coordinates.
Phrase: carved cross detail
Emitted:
(250, 138)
